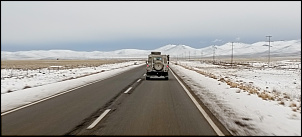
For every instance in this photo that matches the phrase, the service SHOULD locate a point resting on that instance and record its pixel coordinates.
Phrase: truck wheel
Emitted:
(147, 78)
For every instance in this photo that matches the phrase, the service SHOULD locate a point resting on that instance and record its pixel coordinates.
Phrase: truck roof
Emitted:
(157, 55)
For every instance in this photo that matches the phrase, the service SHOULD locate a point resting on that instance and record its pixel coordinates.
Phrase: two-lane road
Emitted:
(151, 107)
(156, 107)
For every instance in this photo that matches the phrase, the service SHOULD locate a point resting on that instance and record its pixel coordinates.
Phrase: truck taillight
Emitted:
(147, 65)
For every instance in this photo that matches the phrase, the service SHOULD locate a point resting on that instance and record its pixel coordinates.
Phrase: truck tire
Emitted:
(158, 66)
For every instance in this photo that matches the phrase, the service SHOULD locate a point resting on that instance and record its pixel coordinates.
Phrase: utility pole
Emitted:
(214, 53)
(232, 56)
(200, 55)
(269, 49)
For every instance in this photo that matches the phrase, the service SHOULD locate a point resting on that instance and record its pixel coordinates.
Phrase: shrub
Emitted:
(293, 104)
(27, 87)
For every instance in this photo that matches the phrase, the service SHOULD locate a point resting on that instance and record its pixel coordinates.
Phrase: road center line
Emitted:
(207, 117)
(128, 90)
(99, 119)
(138, 80)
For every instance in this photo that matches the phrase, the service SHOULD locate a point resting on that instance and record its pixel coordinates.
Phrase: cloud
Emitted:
(32, 22)
(217, 40)
(237, 39)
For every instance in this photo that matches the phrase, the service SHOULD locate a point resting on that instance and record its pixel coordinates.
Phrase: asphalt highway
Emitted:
(125, 104)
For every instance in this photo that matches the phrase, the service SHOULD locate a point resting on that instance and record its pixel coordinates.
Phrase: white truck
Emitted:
(157, 65)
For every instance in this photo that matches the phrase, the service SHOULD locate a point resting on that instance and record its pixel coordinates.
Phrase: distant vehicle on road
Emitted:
(157, 65)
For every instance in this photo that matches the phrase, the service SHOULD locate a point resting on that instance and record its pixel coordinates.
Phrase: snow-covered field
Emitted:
(17, 79)
(248, 100)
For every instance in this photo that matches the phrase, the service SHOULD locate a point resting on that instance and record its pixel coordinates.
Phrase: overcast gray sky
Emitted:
(107, 26)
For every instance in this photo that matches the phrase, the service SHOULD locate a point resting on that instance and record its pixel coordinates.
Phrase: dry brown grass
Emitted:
(253, 91)
(232, 84)
(266, 96)
(248, 59)
(292, 104)
(37, 64)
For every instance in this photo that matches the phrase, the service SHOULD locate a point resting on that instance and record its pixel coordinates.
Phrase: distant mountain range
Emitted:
(258, 49)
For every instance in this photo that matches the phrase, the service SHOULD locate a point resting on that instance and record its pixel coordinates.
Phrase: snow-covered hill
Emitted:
(258, 49)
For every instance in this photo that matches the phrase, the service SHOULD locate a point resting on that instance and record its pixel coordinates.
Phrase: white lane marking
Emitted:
(138, 80)
(36, 102)
(98, 119)
(216, 129)
(128, 90)
(144, 75)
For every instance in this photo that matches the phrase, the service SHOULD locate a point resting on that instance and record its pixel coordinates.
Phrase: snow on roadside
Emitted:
(243, 113)
(17, 79)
